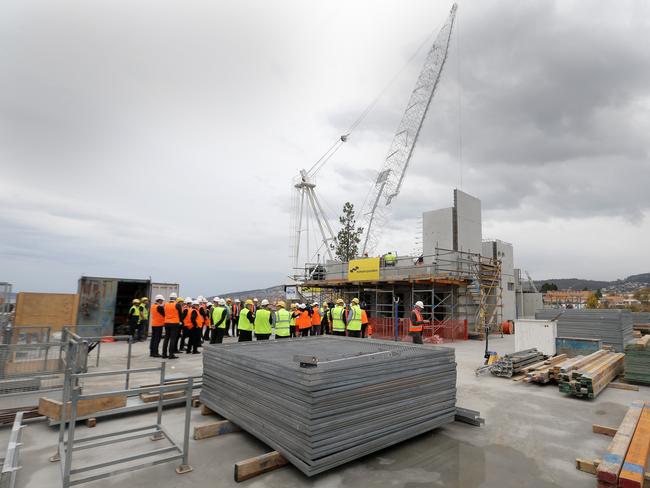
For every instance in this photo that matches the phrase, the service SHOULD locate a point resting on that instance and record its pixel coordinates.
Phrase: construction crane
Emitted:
(306, 205)
(389, 180)
(532, 283)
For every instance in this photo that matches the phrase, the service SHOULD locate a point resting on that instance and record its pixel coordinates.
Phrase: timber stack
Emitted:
(626, 460)
(637, 361)
(591, 375)
(512, 364)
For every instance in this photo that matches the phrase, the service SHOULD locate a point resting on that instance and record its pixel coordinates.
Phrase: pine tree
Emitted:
(349, 237)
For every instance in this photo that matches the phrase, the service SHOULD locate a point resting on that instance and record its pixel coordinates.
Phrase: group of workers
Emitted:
(188, 322)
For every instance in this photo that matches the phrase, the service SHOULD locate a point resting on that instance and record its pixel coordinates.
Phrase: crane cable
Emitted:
(320, 162)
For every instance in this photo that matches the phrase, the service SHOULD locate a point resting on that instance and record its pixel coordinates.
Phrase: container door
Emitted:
(97, 304)
(163, 289)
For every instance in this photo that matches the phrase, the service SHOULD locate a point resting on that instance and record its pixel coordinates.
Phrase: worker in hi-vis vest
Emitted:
(294, 316)
(354, 319)
(143, 325)
(157, 324)
(337, 318)
(173, 312)
(263, 321)
(281, 321)
(134, 318)
(417, 323)
(220, 322)
(246, 322)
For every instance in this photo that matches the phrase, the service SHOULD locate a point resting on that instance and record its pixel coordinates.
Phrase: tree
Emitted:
(548, 286)
(347, 242)
(599, 294)
(592, 301)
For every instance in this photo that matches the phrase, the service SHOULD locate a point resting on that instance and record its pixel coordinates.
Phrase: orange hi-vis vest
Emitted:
(157, 319)
(171, 313)
(201, 314)
(303, 321)
(416, 327)
(187, 321)
(199, 318)
(315, 317)
(364, 317)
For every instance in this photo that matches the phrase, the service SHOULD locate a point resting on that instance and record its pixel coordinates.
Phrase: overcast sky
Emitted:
(159, 138)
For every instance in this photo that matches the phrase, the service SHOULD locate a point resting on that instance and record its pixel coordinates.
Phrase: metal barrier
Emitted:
(11, 462)
(26, 334)
(68, 444)
(447, 330)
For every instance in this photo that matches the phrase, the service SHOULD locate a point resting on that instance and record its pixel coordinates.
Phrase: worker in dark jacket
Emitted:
(173, 314)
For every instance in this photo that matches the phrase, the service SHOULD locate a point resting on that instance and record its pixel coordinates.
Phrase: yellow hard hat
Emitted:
(144, 299)
(248, 302)
(340, 300)
(180, 299)
(281, 304)
(355, 300)
(135, 300)
(293, 305)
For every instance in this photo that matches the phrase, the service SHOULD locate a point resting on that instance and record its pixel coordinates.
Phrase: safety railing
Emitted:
(447, 330)
(68, 443)
(11, 463)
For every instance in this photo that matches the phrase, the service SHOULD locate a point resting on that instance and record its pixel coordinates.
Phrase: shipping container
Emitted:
(105, 302)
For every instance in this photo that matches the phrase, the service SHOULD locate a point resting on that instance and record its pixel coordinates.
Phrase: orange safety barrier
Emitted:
(447, 330)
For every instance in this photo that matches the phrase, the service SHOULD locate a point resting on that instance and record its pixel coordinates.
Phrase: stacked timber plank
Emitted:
(324, 401)
(626, 460)
(547, 371)
(514, 363)
(590, 375)
(614, 327)
(637, 361)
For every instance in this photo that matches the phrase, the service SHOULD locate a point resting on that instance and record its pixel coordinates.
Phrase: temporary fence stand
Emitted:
(68, 444)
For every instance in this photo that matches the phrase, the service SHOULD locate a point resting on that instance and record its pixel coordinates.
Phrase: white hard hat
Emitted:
(315, 304)
(419, 304)
(188, 299)
(195, 302)
(237, 300)
(216, 299)
(159, 297)
(173, 295)
(265, 302)
(222, 301)
(302, 305)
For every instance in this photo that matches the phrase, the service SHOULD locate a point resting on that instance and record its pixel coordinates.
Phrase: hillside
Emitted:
(628, 284)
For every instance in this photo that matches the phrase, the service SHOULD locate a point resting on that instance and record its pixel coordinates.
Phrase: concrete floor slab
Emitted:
(531, 438)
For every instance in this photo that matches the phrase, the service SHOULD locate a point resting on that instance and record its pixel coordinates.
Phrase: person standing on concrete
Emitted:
(337, 318)
(364, 320)
(229, 308)
(354, 319)
(263, 322)
(207, 320)
(157, 324)
(281, 321)
(304, 321)
(196, 327)
(186, 324)
(173, 312)
(246, 322)
(294, 317)
(143, 325)
(219, 322)
(315, 319)
(417, 323)
(234, 317)
(325, 319)
(134, 318)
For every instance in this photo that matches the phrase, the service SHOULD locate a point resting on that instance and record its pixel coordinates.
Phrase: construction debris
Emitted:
(514, 363)
(637, 361)
(336, 414)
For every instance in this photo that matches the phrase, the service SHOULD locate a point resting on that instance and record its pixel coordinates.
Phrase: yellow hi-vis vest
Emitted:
(282, 321)
(144, 314)
(338, 325)
(354, 319)
(244, 323)
(292, 321)
(135, 310)
(217, 312)
(263, 321)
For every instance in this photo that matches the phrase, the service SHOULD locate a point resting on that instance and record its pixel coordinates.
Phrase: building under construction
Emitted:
(466, 283)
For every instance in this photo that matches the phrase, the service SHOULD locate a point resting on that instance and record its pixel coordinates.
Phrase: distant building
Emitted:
(566, 298)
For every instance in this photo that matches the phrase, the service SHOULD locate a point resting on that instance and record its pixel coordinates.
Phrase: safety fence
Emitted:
(11, 463)
(446, 330)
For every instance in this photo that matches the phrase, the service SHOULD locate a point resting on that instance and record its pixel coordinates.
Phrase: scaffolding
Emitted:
(461, 293)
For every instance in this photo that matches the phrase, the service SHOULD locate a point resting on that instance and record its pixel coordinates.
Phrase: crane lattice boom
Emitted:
(389, 180)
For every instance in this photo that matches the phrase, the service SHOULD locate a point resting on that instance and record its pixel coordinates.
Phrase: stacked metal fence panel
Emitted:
(613, 327)
(641, 317)
(637, 361)
(357, 396)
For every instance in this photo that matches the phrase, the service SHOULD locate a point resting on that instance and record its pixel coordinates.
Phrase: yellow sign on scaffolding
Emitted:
(366, 269)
